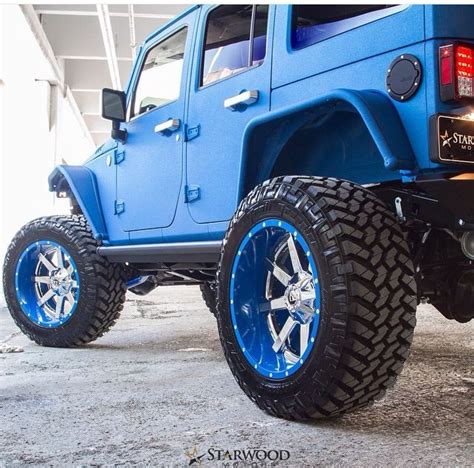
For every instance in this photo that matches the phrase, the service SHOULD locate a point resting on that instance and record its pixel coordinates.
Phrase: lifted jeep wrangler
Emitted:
(311, 167)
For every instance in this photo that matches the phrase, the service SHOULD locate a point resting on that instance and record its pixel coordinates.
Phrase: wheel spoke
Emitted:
(284, 334)
(306, 309)
(59, 305)
(59, 257)
(304, 337)
(74, 284)
(49, 294)
(290, 358)
(42, 279)
(49, 266)
(281, 275)
(295, 259)
(308, 295)
(274, 304)
(70, 269)
(70, 298)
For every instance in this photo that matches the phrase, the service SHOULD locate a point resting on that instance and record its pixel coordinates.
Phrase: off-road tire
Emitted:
(368, 296)
(102, 291)
(208, 293)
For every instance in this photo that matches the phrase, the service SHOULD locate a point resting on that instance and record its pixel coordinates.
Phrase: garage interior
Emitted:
(157, 386)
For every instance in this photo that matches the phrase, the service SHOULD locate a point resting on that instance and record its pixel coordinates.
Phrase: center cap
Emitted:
(293, 297)
(61, 281)
(299, 298)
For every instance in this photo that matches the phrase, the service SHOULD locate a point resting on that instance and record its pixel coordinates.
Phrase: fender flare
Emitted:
(375, 108)
(79, 182)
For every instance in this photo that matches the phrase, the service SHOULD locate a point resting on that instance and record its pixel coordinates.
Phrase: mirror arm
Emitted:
(117, 133)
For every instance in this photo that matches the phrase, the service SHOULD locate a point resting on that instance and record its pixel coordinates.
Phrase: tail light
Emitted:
(456, 71)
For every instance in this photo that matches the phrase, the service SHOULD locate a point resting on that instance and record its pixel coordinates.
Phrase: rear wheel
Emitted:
(316, 297)
(59, 291)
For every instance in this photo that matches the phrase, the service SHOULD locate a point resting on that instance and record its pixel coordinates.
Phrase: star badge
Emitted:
(446, 139)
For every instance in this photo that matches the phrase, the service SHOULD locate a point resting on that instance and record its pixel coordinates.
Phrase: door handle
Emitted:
(170, 125)
(246, 98)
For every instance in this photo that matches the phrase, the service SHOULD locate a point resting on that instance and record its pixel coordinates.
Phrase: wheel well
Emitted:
(63, 190)
(348, 134)
(79, 182)
(334, 144)
(322, 149)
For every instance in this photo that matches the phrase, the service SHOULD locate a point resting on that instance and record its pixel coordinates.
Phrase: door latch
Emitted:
(119, 156)
(191, 193)
(191, 132)
(119, 206)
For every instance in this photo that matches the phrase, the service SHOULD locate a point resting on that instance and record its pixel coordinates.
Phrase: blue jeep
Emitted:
(311, 167)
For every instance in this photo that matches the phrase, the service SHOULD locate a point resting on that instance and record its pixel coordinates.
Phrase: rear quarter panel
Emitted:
(355, 59)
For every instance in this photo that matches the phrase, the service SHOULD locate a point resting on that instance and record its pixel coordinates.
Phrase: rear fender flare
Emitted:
(273, 129)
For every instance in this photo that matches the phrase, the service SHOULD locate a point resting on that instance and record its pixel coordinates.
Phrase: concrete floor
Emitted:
(157, 385)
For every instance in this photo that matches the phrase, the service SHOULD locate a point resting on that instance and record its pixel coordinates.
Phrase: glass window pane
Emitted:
(160, 78)
(260, 34)
(226, 49)
(314, 23)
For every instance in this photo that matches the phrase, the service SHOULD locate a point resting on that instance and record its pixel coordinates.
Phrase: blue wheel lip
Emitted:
(45, 322)
(262, 370)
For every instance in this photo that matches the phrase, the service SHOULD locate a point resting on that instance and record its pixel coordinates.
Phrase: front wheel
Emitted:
(316, 297)
(59, 291)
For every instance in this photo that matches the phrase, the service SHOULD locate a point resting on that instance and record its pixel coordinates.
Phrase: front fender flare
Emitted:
(375, 108)
(79, 182)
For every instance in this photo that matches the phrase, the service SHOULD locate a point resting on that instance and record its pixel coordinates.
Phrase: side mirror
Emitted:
(113, 105)
(114, 109)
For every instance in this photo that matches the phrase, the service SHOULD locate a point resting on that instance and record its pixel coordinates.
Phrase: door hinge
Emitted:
(119, 157)
(119, 206)
(191, 193)
(191, 132)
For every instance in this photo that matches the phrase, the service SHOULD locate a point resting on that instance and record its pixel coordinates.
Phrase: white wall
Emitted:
(30, 146)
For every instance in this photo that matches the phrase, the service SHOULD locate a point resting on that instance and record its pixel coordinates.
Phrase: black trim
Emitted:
(175, 252)
(439, 201)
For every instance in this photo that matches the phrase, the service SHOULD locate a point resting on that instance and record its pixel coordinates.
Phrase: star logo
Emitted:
(194, 457)
(446, 139)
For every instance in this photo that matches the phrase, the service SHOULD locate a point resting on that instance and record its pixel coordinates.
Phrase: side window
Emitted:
(160, 78)
(314, 23)
(235, 40)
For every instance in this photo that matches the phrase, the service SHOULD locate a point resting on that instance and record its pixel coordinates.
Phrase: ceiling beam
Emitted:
(41, 11)
(92, 57)
(109, 44)
(131, 26)
(86, 90)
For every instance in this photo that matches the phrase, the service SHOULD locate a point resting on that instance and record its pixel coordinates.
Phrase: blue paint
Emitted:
(81, 181)
(322, 110)
(247, 292)
(27, 291)
(136, 281)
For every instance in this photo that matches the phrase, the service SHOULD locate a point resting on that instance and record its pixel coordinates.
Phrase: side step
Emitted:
(175, 252)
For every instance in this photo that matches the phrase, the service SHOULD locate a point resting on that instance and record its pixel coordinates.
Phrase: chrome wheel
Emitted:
(47, 284)
(275, 298)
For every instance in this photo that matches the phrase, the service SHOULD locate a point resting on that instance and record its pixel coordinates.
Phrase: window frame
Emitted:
(251, 39)
(181, 27)
(392, 10)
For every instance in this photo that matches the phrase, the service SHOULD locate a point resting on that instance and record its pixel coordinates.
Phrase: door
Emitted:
(231, 86)
(150, 163)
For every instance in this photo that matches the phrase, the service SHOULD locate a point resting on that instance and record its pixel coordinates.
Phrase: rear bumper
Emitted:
(441, 201)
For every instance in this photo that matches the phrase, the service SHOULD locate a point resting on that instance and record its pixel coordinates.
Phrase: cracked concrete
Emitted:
(157, 385)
